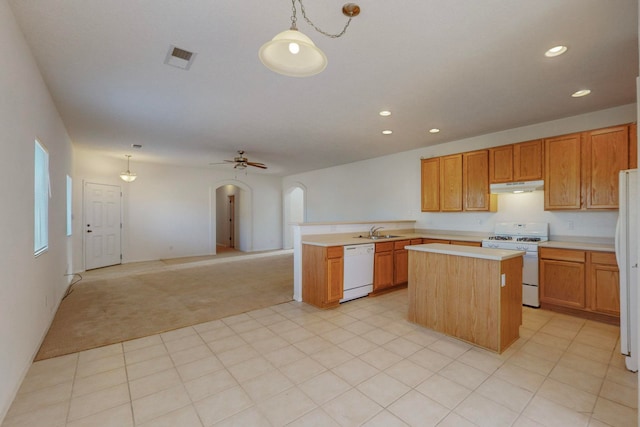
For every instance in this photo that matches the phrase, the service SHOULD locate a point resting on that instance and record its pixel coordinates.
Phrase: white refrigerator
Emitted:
(626, 245)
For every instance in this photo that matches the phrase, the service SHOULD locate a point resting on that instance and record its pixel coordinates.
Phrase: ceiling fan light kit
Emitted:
(292, 53)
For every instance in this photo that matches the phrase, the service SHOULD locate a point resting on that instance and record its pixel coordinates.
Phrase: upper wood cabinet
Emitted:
(501, 164)
(451, 183)
(633, 146)
(457, 182)
(430, 184)
(581, 169)
(528, 161)
(605, 153)
(562, 172)
(516, 162)
(475, 175)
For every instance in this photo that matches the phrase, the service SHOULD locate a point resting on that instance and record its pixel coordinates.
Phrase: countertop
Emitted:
(342, 239)
(466, 251)
(600, 244)
(584, 246)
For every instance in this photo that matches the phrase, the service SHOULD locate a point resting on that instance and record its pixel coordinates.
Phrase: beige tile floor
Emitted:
(359, 364)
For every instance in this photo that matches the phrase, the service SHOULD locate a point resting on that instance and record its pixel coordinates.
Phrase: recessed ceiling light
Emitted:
(434, 130)
(387, 132)
(580, 93)
(385, 113)
(555, 51)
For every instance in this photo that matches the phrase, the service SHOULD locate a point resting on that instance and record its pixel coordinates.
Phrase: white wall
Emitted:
(30, 288)
(388, 188)
(169, 211)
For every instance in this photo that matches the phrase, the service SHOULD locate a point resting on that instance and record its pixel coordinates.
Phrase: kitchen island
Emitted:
(470, 293)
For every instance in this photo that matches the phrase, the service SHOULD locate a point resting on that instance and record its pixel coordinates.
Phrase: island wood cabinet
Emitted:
(581, 169)
(456, 183)
(475, 299)
(580, 283)
(516, 162)
(322, 275)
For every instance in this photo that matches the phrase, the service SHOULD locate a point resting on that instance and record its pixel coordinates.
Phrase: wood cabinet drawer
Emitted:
(562, 254)
(400, 244)
(416, 241)
(384, 247)
(334, 252)
(608, 258)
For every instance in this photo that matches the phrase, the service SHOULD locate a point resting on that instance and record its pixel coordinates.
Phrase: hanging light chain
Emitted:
(304, 15)
(294, 18)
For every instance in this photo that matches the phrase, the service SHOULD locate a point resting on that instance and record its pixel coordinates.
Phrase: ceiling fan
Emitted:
(241, 162)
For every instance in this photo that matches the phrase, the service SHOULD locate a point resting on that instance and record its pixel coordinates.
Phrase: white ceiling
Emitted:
(468, 67)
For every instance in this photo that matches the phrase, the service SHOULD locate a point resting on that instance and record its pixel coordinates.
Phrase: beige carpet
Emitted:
(117, 307)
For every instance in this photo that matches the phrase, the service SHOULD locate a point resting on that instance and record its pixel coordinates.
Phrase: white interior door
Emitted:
(101, 225)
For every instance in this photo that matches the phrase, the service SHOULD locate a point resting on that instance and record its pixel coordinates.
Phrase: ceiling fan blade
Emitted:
(257, 165)
(231, 161)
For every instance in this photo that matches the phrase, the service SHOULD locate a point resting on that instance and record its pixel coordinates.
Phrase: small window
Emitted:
(42, 193)
(69, 205)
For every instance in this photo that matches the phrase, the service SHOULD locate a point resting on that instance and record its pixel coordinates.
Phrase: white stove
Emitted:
(522, 237)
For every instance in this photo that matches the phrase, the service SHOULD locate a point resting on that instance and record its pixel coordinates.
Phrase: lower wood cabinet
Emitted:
(383, 266)
(391, 264)
(562, 277)
(452, 242)
(604, 283)
(446, 242)
(582, 282)
(322, 275)
(464, 243)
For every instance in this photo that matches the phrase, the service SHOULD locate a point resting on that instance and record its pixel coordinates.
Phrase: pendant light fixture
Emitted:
(128, 176)
(292, 53)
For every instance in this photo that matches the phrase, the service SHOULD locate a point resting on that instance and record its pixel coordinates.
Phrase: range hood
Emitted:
(516, 187)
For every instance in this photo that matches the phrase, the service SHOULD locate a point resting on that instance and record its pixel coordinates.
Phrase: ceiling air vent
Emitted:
(179, 58)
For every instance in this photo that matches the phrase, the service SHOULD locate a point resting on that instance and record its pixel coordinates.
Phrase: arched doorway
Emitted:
(294, 212)
(231, 216)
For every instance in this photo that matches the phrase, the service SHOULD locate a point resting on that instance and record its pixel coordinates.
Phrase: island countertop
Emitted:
(466, 251)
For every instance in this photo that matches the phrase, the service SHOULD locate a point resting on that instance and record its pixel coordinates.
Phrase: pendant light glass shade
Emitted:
(128, 176)
(293, 54)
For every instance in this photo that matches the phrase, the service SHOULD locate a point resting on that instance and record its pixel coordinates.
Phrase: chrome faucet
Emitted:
(373, 231)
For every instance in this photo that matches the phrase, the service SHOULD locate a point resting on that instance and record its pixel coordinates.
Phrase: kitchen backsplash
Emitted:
(525, 207)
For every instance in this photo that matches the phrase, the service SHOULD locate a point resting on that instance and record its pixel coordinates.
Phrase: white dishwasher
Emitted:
(358, 271)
